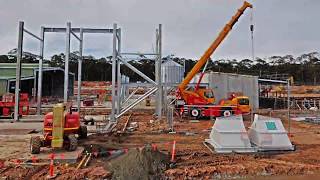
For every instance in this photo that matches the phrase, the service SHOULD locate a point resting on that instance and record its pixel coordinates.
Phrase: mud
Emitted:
(63, 173)
(193, 159)
(139, 164)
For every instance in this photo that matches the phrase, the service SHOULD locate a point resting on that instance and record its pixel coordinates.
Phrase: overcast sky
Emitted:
(189, 26)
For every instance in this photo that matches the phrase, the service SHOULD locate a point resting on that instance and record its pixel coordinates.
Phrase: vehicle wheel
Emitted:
(35, 145)
(83, 132)
(72, 142)
(195, 113)
(225, 112)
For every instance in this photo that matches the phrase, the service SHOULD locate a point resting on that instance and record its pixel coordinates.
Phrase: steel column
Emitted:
(66, 64)
(18, 71)
(156, 65)
(158, 74)
(114, 58)
(288, 94)
(40, 71)
(80, 69)
(118, 72)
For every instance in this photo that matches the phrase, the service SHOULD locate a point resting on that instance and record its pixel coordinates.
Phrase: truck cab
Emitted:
(242, 103)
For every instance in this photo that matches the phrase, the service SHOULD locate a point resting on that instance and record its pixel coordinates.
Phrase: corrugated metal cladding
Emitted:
(3, 86)
(171, 72)
(225, 83)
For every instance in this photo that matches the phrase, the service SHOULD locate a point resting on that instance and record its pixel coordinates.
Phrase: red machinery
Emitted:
(70, 127)
(7, 105)
(199, 102)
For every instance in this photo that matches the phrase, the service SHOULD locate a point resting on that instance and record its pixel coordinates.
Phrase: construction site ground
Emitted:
(193, 160)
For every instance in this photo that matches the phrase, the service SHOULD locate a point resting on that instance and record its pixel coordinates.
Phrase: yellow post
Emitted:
(58, 126)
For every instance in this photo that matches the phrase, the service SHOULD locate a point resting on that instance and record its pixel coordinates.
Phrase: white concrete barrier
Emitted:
(268, 133)
(229, 134)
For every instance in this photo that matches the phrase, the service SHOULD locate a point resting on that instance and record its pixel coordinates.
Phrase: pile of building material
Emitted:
(315, 120)
(144, 163)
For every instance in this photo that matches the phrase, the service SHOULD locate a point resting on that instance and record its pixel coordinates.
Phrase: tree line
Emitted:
(304, 68)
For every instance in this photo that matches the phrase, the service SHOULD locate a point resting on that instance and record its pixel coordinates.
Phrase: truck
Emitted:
(199, 101)
(240, 101)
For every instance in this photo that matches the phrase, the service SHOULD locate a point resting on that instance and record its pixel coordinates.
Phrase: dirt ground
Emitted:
(193, 160)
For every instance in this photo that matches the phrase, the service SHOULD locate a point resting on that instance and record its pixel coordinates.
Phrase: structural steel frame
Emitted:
(68, 30)
(117, 110)
(118, 107)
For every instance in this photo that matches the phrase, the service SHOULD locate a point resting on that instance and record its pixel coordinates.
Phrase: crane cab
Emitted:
(207, 95)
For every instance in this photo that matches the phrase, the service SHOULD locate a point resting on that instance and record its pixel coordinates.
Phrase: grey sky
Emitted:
(282, 26)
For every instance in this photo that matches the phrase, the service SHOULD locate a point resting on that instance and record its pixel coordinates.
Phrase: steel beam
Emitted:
(137, 71)
(146, 54)
(114, 58)
(137, 101)
(18, 71)
(77, 30)
(130, 95)
(80, 70)
(40, 72)
(33, 35)
(75, 35)
(272, 81)
(66, 64)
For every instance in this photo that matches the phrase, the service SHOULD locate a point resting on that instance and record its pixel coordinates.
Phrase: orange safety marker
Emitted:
(173, 151)
(34, 159)
(17, 161)
(51, 167)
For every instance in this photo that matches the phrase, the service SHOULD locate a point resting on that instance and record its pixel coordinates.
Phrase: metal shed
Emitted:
(225, 83)
(53, 78)
(171, 72)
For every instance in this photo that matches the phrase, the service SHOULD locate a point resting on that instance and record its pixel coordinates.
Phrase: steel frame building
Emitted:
(117, 59)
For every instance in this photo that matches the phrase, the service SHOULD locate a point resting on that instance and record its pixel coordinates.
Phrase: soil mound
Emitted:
(139, 164)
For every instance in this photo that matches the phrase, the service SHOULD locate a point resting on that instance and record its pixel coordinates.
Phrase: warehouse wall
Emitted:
(225, 83)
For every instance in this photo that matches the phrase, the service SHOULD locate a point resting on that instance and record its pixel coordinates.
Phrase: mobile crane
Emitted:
(200, 101)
